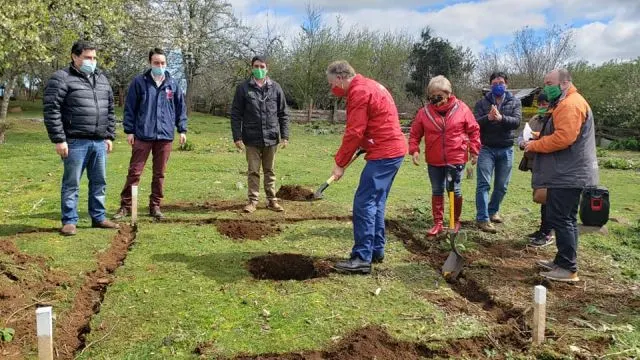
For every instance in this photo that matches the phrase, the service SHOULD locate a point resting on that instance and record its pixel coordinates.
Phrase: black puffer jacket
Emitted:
(259, 116)
(78, 106)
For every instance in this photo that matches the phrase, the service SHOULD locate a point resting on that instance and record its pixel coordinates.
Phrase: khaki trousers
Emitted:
(265, 157)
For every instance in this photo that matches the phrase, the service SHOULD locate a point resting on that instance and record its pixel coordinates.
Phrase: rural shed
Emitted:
(526, 96)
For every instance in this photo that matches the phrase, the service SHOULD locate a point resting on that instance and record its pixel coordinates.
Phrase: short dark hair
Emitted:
(81, 45)
(542, 97)
(261, 58)
(156, 51)
(498, 74)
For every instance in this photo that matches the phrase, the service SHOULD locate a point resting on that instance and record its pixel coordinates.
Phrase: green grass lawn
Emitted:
(184, 283)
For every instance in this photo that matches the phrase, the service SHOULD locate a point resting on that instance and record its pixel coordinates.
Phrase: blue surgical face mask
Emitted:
(158, 70)
(88, 66)
(498, 89)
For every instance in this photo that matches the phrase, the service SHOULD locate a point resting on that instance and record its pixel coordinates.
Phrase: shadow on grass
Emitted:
(15, 229)
(227, 267)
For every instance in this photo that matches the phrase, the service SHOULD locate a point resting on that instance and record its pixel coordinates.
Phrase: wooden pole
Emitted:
(44, 327)
(539, 313)
(134, 204)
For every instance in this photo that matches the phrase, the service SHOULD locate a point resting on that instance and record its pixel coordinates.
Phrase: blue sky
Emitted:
(601, 32)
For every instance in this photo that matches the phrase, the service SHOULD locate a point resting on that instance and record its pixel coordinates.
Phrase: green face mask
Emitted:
(542, 111)
(259, 73)
(553, 92)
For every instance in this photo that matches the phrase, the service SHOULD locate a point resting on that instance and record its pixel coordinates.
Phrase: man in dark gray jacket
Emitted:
(259, 121)
(79, 117)
(499, 114)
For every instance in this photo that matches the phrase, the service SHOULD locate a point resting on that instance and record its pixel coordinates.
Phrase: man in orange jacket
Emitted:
(565, 163)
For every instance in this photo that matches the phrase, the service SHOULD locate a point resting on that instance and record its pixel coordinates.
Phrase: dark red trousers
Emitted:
(139, 155)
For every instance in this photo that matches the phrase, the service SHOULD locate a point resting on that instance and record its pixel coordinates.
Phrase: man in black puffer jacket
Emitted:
(79, 116)
(259, 121)
(499, 114)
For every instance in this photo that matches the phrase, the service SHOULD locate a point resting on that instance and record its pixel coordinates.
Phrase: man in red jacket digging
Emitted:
(373, 125)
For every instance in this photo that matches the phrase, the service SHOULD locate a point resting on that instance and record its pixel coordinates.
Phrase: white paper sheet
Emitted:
(527, 132)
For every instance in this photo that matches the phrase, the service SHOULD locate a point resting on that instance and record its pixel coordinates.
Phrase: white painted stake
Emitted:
(44, 326)
(539, 313)
(134, 204)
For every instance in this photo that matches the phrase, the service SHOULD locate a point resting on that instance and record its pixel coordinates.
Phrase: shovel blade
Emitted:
(452, 266)
(454, 263)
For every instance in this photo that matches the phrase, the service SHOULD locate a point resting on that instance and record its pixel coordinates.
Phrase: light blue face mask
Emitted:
(158, 70)
(88, 66)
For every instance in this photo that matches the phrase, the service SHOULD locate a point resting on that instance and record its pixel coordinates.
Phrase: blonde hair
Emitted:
(341, 69)
(439, 83)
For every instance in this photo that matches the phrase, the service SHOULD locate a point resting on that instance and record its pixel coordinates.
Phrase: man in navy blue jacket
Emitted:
(155, 106)
(499, 114)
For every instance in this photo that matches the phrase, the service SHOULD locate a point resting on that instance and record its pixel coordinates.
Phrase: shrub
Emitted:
(620, 164)
(626, 144)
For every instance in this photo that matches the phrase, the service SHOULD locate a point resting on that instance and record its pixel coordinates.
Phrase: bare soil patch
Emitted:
(294, 193)
(288, 267)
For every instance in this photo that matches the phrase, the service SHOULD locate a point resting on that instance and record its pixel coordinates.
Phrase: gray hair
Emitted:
(341, 69)
(564, 74)
(439, 83)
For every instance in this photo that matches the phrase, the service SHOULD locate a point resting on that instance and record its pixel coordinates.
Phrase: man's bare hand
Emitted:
(62, 149)
(337, 172)
(239, 144)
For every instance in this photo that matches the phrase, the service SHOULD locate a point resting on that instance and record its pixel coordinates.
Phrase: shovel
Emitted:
(318, 194)
(455, 262)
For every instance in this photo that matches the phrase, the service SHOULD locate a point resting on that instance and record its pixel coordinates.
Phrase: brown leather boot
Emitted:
(121, 214)
(273, 205)
(154, 212)
(68, 230)
(250, 207)
(107, 224)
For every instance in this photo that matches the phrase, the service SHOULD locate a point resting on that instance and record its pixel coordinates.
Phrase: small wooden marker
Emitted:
(539, 314)
(134, 204)
(44, 327)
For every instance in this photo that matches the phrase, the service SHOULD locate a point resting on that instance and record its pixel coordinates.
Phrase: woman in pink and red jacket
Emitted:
(450, 133)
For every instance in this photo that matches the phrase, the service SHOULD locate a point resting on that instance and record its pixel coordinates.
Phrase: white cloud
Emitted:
(606, 32)
(598, 42)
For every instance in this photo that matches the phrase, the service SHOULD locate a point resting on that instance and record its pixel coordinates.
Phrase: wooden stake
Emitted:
(44, 326)
(134, 204)
(539, 313)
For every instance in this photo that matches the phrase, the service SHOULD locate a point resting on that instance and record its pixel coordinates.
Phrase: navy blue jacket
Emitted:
(498, 134)
(152, 112)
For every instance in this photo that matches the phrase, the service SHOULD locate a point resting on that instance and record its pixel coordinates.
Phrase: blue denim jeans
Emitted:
(368, 207)
(438, 179)
(491, 159)
(92, 156)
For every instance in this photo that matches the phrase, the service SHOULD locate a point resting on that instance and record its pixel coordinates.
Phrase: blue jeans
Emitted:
(90, 155)
(368, 207)
(490, 159)
(438, 178)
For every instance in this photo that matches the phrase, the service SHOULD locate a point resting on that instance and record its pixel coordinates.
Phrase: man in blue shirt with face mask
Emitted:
(155, 106)
(499, 114)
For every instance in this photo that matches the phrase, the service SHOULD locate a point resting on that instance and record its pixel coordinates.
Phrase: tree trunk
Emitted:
(8, 92)
(310, 110)
(189, 93)
(121, 91)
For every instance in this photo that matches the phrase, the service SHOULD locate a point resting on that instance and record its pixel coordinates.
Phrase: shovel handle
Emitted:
(451, 212)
